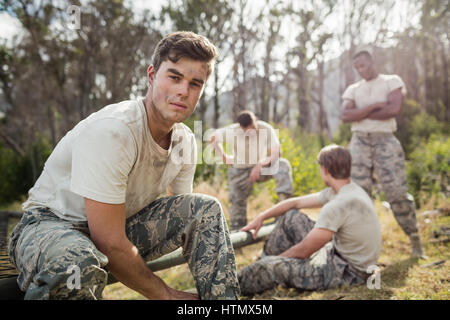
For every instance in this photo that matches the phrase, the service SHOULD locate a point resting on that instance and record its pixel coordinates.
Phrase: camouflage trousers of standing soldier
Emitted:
(323, 270)
(45, 248)
(381, 154)
(240, 187)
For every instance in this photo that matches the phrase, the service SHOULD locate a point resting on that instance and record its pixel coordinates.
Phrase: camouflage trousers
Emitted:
(323, 270)
(46, 249)
(240, 187)
(381, 154)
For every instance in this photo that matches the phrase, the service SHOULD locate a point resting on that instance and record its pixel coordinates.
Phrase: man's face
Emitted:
(364, 66)
(177, 87)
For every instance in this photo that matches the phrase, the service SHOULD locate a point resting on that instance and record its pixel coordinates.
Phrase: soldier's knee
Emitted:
(206, 205)
(290, 213)
(284, 163)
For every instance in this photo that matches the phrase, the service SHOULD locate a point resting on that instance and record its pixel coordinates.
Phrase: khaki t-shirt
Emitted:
(351, 215)
(250, 146)
(111, 157)
(365, 93)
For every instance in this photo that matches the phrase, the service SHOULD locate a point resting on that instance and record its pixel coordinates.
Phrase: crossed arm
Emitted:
(377, 111)
(107, 230)
(314, 240)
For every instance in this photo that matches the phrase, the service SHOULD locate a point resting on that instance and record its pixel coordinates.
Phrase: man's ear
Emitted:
(151, 74)
(325, 171)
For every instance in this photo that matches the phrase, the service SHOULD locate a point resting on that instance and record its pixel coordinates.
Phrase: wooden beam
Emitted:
(175, 258)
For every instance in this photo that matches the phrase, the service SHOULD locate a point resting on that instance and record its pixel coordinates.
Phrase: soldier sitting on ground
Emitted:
(337, 249)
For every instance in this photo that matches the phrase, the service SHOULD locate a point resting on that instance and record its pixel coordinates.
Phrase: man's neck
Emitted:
(159, 128)
(373, 76)
(337, 184)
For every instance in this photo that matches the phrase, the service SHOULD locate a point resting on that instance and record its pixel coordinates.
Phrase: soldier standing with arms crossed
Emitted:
(371, 105)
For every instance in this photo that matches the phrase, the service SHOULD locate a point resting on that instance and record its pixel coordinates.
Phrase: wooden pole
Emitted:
(175, 258)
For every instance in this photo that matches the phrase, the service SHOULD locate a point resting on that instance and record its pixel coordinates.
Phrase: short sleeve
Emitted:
(183, 182)
(330, 218)
(326, 195)
(272, 139)
(102, 158)
(394, 82)
(349, 93)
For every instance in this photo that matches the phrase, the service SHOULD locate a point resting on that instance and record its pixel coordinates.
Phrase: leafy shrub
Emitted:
(344, 134)
(18, 173)
(301, 149)
(405, 131)
(428, 168)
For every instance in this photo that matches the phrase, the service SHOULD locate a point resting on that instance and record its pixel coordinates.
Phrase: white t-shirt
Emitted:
(364, 93)
(350, 214)
(248, 146)
(111, 157)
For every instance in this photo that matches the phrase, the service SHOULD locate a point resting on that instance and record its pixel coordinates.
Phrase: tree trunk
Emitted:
(216, 100)
(323, 121)
(446, 87)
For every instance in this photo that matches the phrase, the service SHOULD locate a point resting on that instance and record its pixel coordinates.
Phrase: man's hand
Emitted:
(213, 140)
(181, 295)
(255, 173)
(253, 225)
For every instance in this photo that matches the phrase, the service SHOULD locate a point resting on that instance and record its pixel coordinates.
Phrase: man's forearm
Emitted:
(313, 241)
(298, 251)
(128, 267)
(279, 209)
(357, 114)
(225, 158)
(391, 108)
(384, 113)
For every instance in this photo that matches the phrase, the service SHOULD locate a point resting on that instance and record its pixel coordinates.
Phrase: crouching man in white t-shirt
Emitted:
(95, 207)
(299, 253)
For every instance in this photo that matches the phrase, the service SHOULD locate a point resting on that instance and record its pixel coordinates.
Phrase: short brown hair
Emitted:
(337, 160)
(246, 118)
(186, 44)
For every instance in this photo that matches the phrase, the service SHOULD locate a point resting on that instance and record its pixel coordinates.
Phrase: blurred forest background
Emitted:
(288, 61)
